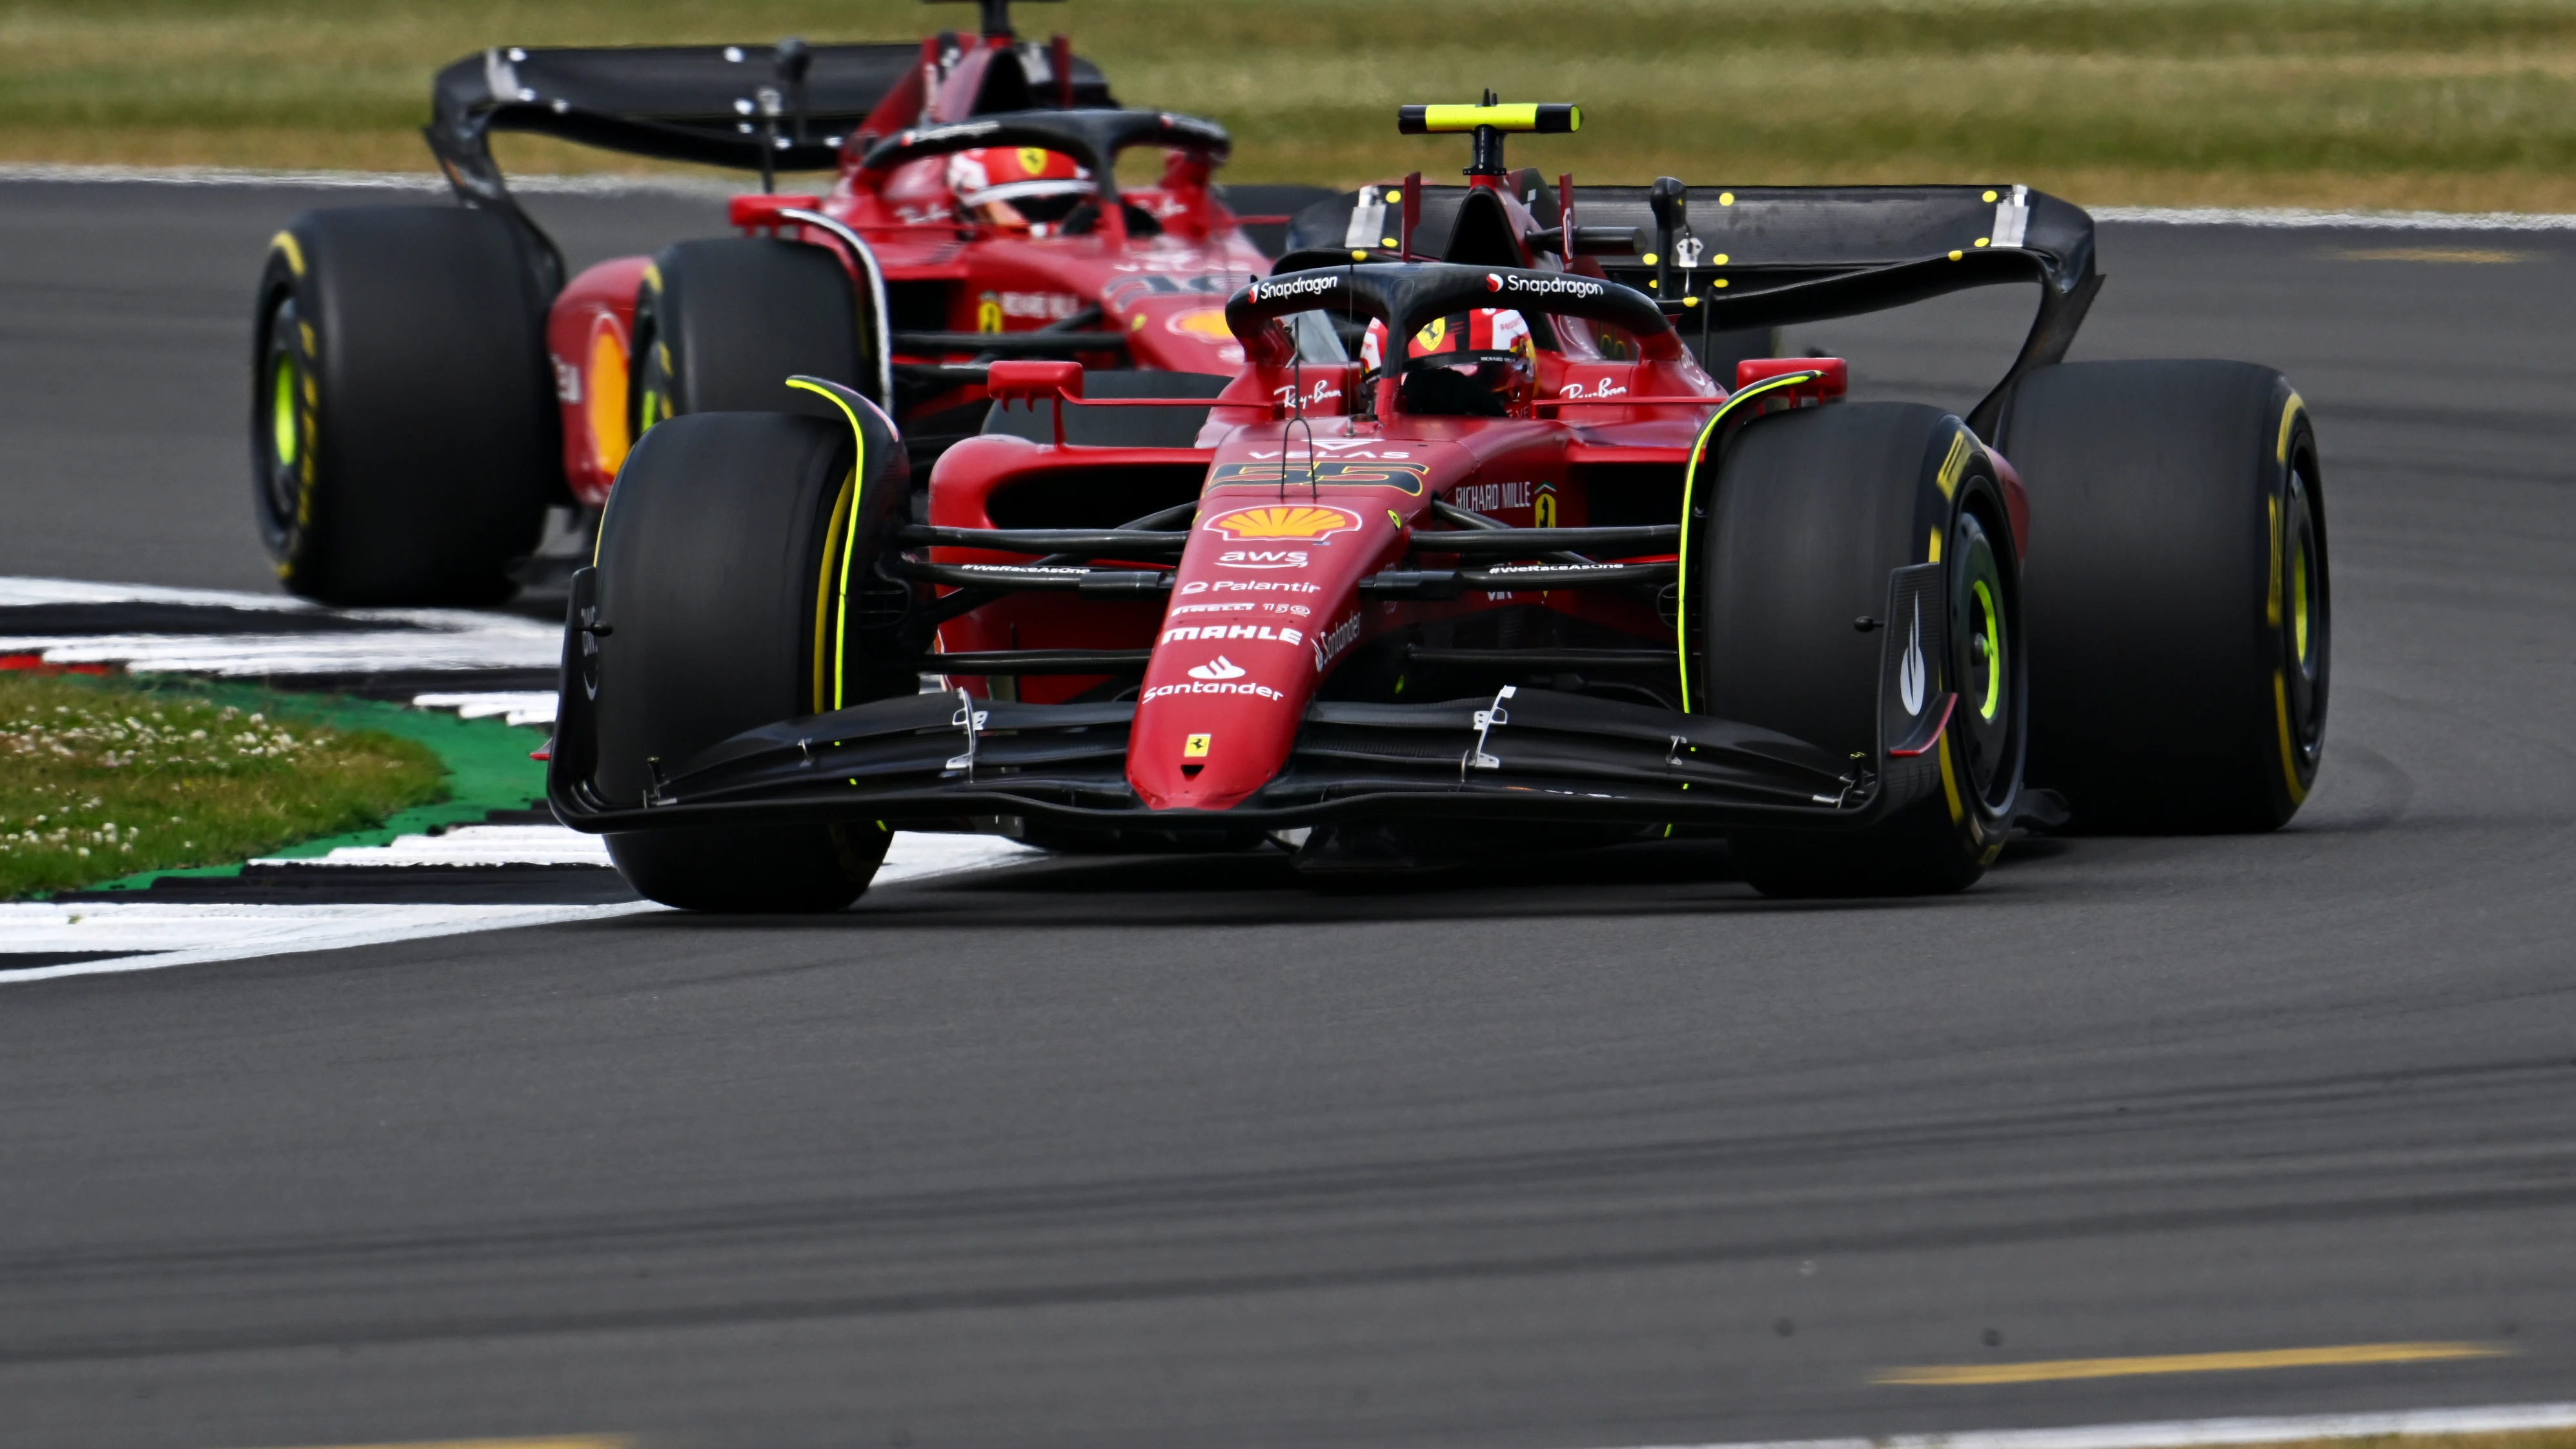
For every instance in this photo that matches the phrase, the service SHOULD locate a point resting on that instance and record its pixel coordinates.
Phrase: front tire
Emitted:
(719, 571)
(403, 429)
(720, 325)
(2181, 615)
(1813, 511)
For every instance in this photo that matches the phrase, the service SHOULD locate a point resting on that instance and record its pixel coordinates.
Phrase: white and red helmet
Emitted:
(1015, 174)
(1484, 334)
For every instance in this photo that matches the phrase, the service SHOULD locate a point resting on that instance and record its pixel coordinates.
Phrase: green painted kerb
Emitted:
(487, 766)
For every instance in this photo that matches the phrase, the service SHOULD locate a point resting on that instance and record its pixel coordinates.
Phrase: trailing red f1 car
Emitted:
(427, 382)
(1554, 586)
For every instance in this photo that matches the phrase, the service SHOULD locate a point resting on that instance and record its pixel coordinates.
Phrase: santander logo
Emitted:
(1218, 668)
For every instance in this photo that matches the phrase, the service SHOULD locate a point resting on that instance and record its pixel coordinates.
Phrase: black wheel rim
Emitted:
(651, 398)
(1984, 628)
(281, 420)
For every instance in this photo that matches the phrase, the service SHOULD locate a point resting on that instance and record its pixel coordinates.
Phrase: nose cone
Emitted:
(1235, 662)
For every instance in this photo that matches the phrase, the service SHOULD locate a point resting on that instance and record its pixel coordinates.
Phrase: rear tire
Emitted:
(2181, 615)
(718, 570)
(721, 325)
(1812, 511)
(403, 430)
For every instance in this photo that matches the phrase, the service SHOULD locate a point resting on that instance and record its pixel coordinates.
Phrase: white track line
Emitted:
(507, 644)
(916, 856)
(237, 932)
(169, 933)
(420, 638)
(518, 707)
(20, 591)
(913, 855)
(469, 845)
(612, 185)
(2493, 1419)
(2293, 217)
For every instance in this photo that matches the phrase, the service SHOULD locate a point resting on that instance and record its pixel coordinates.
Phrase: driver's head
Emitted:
(1475, 363)
(1018, 188)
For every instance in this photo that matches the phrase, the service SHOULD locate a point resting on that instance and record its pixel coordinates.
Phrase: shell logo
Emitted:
(1206, 323)
(606, 410)
(1283, 521)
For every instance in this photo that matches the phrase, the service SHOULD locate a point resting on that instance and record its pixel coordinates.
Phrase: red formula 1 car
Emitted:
(428, 382)
(1534, 579)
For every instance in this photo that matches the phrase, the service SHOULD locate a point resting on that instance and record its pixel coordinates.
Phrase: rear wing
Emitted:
(1765, 256)
(697, 103)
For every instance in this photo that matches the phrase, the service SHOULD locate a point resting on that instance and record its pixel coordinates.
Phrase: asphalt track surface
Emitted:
(1583, 1152)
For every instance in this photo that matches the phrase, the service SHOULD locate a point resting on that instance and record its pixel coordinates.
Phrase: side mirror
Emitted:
(1670, 201)
(795, 58)
(1032, 381)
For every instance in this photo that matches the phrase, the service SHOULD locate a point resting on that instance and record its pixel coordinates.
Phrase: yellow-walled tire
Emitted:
(1812, 513)
(404, 443)
(2182, 621)
(720, 572)
(721, 324)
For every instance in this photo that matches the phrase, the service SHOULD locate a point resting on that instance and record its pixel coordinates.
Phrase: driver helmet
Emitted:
(1018, 188)
(1486, 334)
(1490, 346)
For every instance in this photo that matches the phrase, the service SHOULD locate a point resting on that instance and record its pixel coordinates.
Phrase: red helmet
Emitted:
(1017, 185)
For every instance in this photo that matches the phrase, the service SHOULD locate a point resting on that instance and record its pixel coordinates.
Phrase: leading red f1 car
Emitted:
(1534, 577)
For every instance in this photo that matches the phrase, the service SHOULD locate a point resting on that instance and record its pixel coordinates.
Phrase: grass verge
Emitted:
(115, 782)
(102, 777)
(2439, 104)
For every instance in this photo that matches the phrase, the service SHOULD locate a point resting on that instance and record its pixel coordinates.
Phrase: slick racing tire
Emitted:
(2181, 619)
(1813, 510)
(721, 325)
(720, 575)
(404, 443)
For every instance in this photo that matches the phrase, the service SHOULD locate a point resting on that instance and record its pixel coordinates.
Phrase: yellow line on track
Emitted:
(2437, 256)
(2053, 1370)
